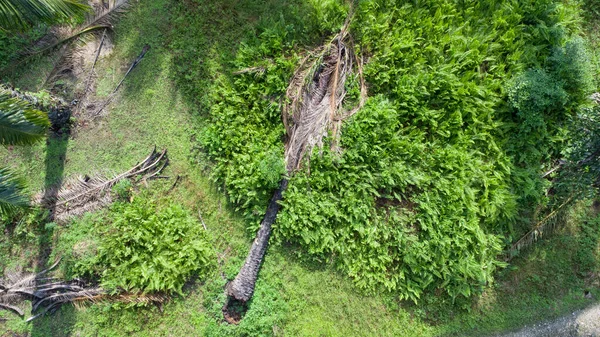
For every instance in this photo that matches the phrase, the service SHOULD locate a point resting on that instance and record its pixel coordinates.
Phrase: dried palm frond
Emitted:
(542, 228)
(316, 95)
(48, 294)
(85, 194)
(86, 86)
(12, 308)
(96, 22)
(135, 298)
(17, 287)
(67, 293)
(101, 18)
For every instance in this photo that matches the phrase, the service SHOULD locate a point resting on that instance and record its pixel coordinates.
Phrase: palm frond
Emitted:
(11, 192)
(13, 308)
(86, 194)
(541, 229)
(47, 294)
(20, 122)
(316, 95)
(21, 14)
(97, 21)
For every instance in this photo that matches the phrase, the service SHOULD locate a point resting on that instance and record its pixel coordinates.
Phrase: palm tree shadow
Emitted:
(56, 155)
(56, 151)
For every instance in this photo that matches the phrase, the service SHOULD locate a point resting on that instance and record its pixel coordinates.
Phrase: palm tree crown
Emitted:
(20, 14)
(20, 124)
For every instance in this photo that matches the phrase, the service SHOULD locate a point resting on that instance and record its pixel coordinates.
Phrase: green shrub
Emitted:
(245, 130)
(543, 101)
(12, 44)
(587, 258)
(571, 66)
(122, 189)
(144, 248)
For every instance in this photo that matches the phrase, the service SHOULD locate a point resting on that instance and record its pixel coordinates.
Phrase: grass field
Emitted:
(294, 296)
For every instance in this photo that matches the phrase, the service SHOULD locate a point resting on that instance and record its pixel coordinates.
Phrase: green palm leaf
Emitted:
(11, 192)
(20, 14)
(20, 123)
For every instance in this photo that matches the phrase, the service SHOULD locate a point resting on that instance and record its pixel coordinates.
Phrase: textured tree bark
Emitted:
(242, 287)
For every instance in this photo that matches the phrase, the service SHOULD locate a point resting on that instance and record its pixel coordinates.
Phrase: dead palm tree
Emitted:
(316, 94)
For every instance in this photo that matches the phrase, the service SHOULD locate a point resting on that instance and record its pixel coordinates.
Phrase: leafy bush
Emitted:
(244, 135)
(148, 249)
(543, 101)
(122, 189)
(12, 44)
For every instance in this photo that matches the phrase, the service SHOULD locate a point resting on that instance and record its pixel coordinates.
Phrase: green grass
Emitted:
(294, 297)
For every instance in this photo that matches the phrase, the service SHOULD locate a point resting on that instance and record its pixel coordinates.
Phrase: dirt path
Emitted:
(580, 323)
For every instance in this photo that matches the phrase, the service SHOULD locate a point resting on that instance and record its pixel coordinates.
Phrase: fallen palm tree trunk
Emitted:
(86, 194)
(315, 98)
(242, 287)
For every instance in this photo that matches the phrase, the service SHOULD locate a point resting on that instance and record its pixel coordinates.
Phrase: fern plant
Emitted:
(148, 249)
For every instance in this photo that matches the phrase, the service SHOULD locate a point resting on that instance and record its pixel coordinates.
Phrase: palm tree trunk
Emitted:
(242, 287)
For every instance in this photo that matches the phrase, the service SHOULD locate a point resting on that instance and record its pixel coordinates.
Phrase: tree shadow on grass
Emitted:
(38, 249)
(56, 152)
(59, 323)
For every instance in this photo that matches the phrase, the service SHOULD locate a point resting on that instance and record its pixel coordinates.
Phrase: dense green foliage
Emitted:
(21, 14)
(143, 248)
(20, 124)
(244, 135)
(468, 102)
(579, 173)
(544, 101)
(12, 44)
(11, 192)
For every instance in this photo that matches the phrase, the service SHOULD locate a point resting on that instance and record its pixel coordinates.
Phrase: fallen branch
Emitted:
(89, 77)
(202, 220)
(133, 65)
